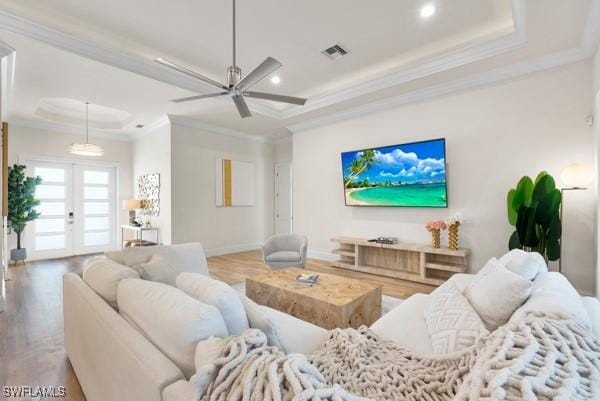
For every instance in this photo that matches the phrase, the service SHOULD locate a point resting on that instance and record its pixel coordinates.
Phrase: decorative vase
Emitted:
(453, 236)
(435, 238)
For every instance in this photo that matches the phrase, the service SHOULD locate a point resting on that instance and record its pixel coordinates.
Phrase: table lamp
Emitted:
(576, 177)
(132, 205)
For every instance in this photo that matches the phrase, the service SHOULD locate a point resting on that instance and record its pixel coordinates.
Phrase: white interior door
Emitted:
(283, 198)
(78, 210)
(51, 235)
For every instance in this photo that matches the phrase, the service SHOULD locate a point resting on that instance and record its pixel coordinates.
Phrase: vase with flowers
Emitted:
(453, 222)
(435, 227)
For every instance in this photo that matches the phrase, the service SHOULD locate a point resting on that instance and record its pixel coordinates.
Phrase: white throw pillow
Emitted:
(452, 322)
(259, 319)
(495, 293)
(207, 352)
(218, 294)
(159, 270)
(552, 293)
(172, 320)
(526, 264)
(104, 275)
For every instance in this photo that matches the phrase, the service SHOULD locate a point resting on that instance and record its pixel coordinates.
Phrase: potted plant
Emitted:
(21, 205)
(534, 210)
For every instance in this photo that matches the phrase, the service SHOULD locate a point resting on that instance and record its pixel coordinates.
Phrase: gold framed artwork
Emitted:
(235, 185)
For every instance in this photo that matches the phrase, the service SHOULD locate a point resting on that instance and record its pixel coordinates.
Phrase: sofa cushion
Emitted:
(183, 257)
(452, 322)
(495, 293)
(283, 256)
(592, 307)
(218, 294)
(172, 320)
(405, 325)
(104, 275)
(526, 264)
(259, 319)
(552, 293)
(159, 270)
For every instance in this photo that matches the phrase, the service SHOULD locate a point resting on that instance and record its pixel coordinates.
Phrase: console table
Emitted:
(405, 261)
(138, 239)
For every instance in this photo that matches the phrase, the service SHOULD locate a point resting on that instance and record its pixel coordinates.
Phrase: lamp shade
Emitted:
(132, 204)
(577, 175)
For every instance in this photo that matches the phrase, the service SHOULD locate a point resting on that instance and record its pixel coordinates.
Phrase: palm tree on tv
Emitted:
(360, 165)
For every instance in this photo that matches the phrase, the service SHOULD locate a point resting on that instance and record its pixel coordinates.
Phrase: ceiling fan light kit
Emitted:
(237, 87)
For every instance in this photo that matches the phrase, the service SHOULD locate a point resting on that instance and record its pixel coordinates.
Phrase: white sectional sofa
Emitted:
(116, 358)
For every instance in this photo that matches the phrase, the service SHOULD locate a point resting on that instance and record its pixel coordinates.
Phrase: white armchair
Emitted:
(285, 250)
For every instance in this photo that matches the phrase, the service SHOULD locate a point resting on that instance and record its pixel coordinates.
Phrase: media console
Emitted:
(405, 261)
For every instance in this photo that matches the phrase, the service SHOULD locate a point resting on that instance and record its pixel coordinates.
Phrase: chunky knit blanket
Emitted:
(537, 358)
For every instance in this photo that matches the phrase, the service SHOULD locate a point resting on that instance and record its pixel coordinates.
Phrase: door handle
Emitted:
(71, 216)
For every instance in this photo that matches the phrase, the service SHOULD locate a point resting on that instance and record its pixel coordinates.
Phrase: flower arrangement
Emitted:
(435, 227)
(453, 222)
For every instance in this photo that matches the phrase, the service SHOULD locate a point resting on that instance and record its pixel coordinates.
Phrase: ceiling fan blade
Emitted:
(276, 98)
(241, 105)
(187, 99)
(190, 73)
(265, 68)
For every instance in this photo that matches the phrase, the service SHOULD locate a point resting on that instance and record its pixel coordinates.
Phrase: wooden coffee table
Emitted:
(333, 302)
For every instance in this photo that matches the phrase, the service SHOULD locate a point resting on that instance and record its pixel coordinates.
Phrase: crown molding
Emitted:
(7, 79)
(487, 78)
(433, 65)
(56, 127)
(214, 129)
(116, 58)
(148, 129)
(142, 66)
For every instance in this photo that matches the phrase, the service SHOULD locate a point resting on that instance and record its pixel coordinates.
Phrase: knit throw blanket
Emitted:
(537, 358)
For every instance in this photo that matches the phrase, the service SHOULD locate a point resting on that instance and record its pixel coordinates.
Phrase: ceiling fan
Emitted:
(237, 87)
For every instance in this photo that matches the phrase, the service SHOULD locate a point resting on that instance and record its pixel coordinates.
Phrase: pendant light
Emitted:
(87, 148)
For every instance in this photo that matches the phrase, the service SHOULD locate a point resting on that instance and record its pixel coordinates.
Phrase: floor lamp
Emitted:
(576, 177)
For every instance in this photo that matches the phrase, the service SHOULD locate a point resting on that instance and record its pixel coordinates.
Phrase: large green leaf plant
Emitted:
(534, 211)
(21, 199)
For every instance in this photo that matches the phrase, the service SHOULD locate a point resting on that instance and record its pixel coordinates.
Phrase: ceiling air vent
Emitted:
(334, 52)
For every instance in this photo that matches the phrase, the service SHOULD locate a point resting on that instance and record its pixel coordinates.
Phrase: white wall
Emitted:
(194, 214)
(27, 142)
(152, 154)
(494, 136)
(283, 151)
(596, 95)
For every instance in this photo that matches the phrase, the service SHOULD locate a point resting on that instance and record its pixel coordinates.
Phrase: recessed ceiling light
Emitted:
(427, 10)
(275, 79)
(139, 126)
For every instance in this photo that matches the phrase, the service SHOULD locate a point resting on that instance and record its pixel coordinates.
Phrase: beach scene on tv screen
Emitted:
(401, 175)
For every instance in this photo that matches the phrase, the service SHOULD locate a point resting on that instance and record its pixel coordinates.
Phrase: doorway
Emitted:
(77, 210)
(283, 198)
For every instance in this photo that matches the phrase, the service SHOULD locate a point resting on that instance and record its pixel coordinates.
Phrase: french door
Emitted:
(77, 210)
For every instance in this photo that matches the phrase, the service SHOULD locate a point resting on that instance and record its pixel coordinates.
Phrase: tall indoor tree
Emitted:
(21, 204)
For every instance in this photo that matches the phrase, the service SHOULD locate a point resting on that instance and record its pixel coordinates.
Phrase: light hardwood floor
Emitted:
(31, 328)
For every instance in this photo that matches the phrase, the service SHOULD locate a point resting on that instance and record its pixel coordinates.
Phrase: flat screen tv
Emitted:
(408, 175)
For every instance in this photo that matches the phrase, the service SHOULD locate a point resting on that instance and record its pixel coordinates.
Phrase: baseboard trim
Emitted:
(225, 250)
(322, 255)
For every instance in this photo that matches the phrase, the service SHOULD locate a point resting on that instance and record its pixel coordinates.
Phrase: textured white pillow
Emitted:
(172, 320)
(552, 293)
(495, 293)
(259, 319)
(159, 270)
(104, 275)
(218, 294)
(452, 322)
(526, 264)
